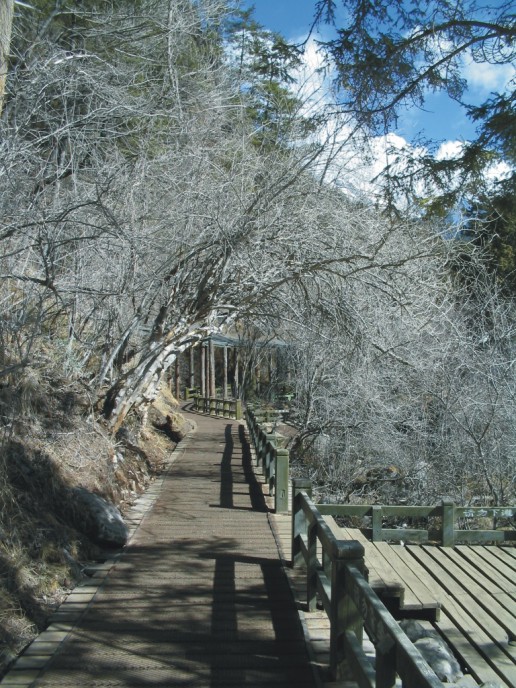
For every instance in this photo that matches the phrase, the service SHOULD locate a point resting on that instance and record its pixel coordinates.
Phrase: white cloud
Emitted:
(495, 172)
(450, 150)
(485, 77)
(354, 163)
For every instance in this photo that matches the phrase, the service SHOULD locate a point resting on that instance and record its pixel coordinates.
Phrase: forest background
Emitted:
(168, 171)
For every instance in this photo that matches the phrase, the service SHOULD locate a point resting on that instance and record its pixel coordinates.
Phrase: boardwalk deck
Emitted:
(198, 598)
(475, 587)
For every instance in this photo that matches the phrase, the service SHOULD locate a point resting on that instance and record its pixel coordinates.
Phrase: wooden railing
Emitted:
(447, 515)
(271, 460)
(340, 583)
(213, 406)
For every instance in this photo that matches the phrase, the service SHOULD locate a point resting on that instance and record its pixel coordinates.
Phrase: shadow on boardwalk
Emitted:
(198, 598)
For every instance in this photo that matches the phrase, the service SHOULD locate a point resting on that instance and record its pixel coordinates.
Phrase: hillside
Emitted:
(54, 445)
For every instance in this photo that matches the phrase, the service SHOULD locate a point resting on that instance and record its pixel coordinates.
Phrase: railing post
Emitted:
(238, 409)
(448, 523)
(377, 535)
(344, 615)
(267, 459)
(281, 481)
(298, 518)
(311, 567)
(386, 664)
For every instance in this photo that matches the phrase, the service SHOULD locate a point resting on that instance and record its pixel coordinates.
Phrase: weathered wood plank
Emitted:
(503, 555)
(468, 615)
(379, 559)
(468, 652)
(354, 534)
(381, 577)
(462, 644)
(474, 583)
(425, 598)
(509, 551)
(503, 576)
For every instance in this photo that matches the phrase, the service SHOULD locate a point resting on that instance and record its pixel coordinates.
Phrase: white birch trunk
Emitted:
(6, 22)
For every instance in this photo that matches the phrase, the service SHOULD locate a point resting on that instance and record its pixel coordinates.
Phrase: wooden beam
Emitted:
(225, 374)
(203, 371)
(211, 366)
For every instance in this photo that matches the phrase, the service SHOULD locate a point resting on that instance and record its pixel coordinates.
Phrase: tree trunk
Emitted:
(6, 21)
(140, 385)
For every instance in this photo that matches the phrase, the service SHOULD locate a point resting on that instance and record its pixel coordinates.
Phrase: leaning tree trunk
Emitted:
(6, 21)
(140, 385)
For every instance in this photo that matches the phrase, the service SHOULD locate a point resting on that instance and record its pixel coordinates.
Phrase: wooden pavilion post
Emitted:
(192, 367)
(203, 370)
(225, 378)
(211, 350)
(177, 377)
(236, 392)
(207, 368)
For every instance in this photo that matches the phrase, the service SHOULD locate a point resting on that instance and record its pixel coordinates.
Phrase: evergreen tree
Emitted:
(391, 55)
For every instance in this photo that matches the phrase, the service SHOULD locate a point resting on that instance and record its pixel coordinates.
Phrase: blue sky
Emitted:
(292, 18)
(442, 118)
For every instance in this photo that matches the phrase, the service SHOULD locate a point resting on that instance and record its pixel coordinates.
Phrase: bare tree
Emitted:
(412, 397)
(6, 20)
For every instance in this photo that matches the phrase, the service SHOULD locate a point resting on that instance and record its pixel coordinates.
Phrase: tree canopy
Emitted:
(160, 182)
(391, 55)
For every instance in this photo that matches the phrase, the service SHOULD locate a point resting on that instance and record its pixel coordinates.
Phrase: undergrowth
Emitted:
(51, 440)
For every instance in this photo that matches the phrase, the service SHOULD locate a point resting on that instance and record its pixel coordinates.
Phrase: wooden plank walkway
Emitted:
(198, 598)
(475, 587)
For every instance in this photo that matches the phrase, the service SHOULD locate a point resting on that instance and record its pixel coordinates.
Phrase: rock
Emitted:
(412, 629)
(97, 518)
(167, 424)
(433, 649)
(439, 657)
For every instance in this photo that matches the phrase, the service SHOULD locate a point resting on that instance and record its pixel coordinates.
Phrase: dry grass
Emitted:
(51, 441)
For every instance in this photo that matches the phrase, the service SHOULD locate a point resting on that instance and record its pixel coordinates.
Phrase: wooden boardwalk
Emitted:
(474, 586)
(198, 598)
(202, 596)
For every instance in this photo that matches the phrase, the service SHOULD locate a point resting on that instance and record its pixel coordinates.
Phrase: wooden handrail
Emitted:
(223, 408)
(271, 460)
(447, 512)
(340, 582)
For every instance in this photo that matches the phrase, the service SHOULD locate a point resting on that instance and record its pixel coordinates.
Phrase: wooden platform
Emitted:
(467, 592)
(393, 579)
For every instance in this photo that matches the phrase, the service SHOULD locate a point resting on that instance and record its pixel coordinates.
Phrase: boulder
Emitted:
(171, 426)
(412, 629)
(433, 649)
(100, 520)
(439, 657)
